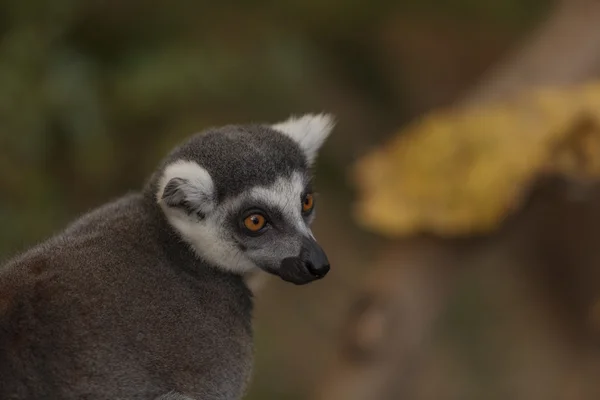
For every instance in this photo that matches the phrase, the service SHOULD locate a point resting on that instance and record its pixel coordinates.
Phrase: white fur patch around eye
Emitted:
(211, 238)
(286, 196)
(310, 131)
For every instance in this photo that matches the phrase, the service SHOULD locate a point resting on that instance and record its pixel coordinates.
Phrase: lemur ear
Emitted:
(309, 131)
(188, 187)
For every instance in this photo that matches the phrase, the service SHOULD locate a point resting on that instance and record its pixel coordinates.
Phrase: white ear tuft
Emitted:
(309, 131)
(186, 186)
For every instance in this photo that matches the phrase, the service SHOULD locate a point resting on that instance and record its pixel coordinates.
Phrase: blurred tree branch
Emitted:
(563, 50)
(392, 317)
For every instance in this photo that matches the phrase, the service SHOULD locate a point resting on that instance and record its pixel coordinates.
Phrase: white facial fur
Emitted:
(309, 131)
(284, 195)
(210, 237)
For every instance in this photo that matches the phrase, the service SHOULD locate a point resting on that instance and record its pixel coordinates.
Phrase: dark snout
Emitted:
(311, 264)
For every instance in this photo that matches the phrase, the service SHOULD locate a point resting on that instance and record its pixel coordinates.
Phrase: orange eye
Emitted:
(255, 222)
(307, 203)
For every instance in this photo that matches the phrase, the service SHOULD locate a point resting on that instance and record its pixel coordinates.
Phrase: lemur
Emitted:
(145, 297)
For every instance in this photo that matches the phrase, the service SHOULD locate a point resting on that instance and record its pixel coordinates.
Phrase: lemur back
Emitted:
(71, 329)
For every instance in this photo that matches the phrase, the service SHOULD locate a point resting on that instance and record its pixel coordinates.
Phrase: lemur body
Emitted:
(144, 298)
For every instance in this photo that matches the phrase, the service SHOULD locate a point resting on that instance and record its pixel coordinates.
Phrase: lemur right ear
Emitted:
(308, 131)
(188, 187)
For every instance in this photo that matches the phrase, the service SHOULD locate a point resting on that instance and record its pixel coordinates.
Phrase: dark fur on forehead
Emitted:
(239, 157)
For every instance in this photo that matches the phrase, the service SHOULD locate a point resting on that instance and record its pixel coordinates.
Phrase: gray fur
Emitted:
(256, 156)
(118, 306)
(173, 396)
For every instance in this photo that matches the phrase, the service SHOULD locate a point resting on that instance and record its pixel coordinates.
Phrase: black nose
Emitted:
(318, 270)
(314, 258)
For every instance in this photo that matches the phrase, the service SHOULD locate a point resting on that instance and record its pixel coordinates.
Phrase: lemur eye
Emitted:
(308, 203)
(255, 222)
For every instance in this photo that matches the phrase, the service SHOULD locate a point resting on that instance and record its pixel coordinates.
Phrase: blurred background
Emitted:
(94, 93)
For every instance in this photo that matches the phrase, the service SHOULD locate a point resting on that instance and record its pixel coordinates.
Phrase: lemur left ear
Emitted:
(309, 131)
(188, 187)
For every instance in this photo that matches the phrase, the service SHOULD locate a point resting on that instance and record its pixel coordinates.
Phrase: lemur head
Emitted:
(242, 197)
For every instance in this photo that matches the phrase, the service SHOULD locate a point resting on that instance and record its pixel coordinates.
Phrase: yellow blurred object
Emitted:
(461, 171)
